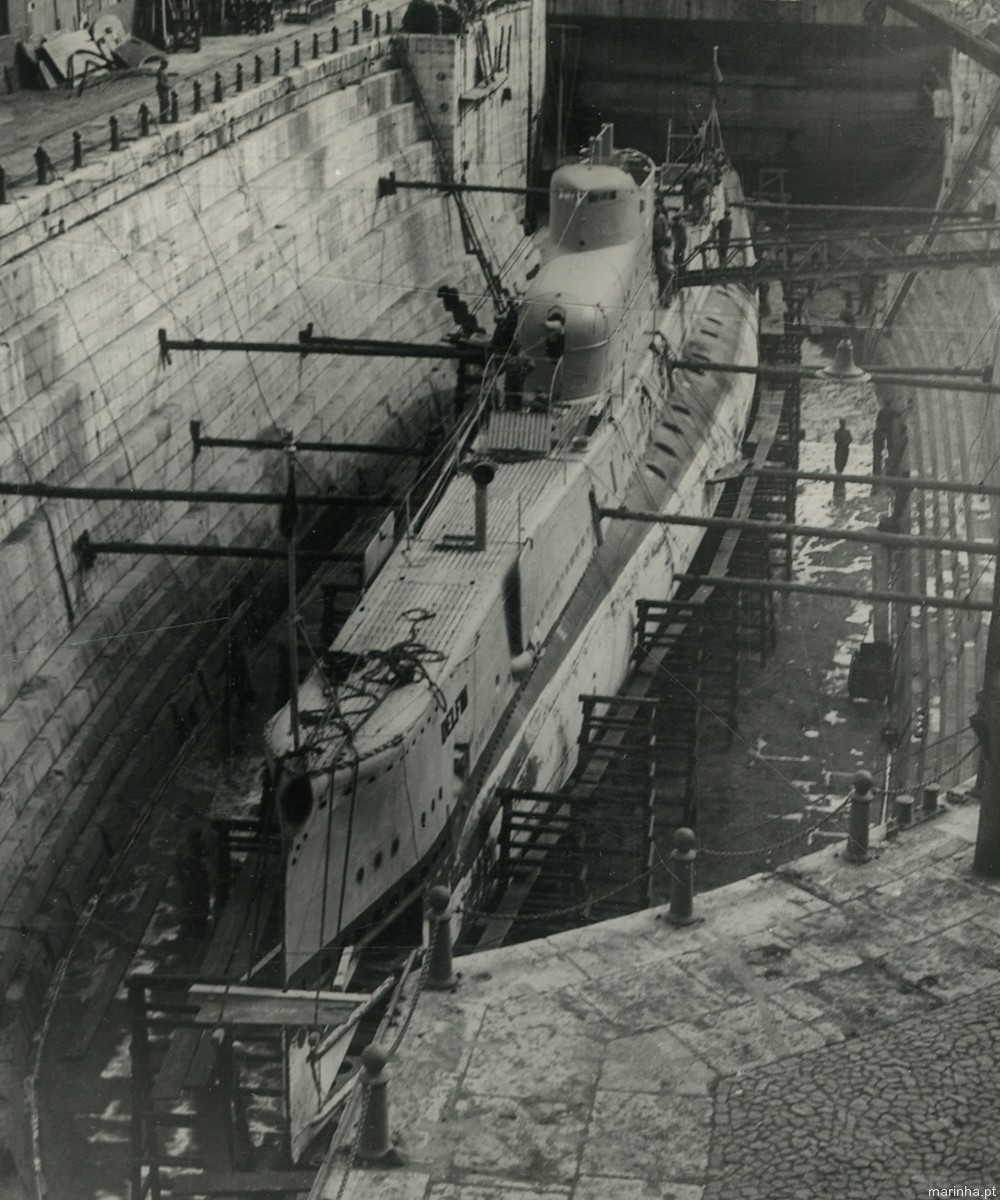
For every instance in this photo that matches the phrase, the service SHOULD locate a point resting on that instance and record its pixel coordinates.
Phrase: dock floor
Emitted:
(826, 1030)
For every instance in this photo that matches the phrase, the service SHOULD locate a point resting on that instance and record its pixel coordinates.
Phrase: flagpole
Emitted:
(289, 514)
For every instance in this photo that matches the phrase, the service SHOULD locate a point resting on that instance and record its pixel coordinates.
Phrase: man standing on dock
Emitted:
(723, 232)
(842, 446)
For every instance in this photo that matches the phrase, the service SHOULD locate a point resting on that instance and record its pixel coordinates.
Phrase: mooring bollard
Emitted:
(388, 22)
(856, 850)
(334, 40)
(239, 77)
(175, 108)
(373, 1136)
(315, 45)
(217, 89)
(357, 32)
(682, 860)
(378, 21)
(77, 151)
(440, 975)
(296, 53)
(904, 810)
(115, 134)
(196, 86)
(277, 60)
(258, 68)
(143, 120)
(366, 18)
(931, 795)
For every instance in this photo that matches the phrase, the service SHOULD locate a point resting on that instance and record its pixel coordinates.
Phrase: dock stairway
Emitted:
(586, 851)
(690, 651)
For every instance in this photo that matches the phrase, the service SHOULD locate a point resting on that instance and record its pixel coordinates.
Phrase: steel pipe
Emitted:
(917, 482)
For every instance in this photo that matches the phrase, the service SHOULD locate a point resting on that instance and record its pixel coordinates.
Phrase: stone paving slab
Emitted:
(826, 1031)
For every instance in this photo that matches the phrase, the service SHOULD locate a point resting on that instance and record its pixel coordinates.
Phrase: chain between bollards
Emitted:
(439, 976)
(682, 860)
(858, 823)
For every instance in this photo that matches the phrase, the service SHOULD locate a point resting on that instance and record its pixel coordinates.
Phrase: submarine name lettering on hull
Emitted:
(452, 715)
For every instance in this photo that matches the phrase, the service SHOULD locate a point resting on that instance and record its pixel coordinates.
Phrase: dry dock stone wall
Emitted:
(248, 221)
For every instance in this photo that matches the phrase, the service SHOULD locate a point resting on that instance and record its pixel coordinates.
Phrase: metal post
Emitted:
(3, 186)
(986, 723)
(175, 108)
(196, 88)
(682, 860)
(293, 626)
(858, 821)
(930, 799)
(373, 1136)
(217, 89)
(315, 45)
(258, 68)
(440, 976)
(77, 151)
(296, 53)
(41, 166)
(357, 33)
(904, 810)
(334, 40)
(116, 144)
(277, 60)
(144, 120)
(378, 21)
(239, 77)
(388, 21)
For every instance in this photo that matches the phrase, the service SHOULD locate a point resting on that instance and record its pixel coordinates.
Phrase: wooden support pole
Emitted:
(882, 375)
(912, 599)
(899, 541)
(916, 482)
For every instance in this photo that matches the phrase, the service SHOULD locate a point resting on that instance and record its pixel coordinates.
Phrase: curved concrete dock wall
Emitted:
(248, 221)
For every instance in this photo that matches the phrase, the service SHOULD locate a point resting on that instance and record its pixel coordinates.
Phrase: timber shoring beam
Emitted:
(880, 374)
(199, 440)
(46, 491)
(388, 185)
(913, 599)
(915, 482)
(898, 541)
(848, 210)
(818, 266)
(310, 343)
(87, 551)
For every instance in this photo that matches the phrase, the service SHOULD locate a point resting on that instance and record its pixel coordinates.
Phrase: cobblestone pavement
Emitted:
(889, 1115)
